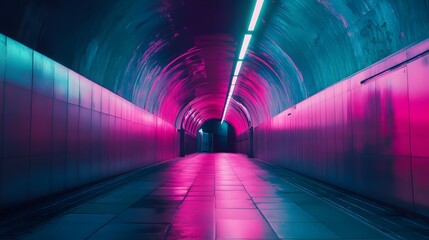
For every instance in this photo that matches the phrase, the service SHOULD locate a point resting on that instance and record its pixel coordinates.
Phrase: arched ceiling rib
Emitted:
(174, 57)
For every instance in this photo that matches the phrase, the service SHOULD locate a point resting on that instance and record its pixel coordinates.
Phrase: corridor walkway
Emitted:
(219, 196)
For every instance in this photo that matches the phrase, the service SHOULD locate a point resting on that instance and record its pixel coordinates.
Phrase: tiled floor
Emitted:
(208, 196)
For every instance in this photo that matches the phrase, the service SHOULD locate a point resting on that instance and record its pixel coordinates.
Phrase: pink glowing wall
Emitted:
(58, 130)
(368, 133)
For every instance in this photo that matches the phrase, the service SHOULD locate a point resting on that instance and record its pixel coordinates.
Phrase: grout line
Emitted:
(88, 194)
(349, 212)
(409, 137)
(29, 156)
(251, 198)
(2, 95)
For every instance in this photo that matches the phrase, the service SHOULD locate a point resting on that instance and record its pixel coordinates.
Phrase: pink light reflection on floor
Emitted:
(209, 196)
(217, 204)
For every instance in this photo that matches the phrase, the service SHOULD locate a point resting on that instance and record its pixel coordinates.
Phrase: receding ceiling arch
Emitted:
(174, 58)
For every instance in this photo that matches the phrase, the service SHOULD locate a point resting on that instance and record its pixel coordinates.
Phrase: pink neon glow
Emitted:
(381, 123)
(217, 202)
(191, 89)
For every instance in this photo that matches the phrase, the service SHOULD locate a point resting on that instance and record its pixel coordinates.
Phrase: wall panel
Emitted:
(60, 130)
(418, 75)
(368, 134)
(2, 75)
(16, 121)
(418, 87)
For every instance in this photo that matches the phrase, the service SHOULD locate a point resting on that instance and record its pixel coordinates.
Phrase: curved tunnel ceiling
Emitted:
(174, 57)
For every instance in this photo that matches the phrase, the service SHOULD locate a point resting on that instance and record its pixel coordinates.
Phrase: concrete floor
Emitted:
(224, 196)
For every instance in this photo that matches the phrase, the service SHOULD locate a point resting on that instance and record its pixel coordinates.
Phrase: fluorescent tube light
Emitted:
(244, 46)
(255, 14)
(238, 68)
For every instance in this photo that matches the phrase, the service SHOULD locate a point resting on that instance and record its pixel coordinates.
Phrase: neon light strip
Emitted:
(245, 45)
(255, 15)
(238, 68)
(242, 54)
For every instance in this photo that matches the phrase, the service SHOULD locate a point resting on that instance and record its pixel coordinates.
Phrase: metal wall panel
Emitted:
(85, 161)
(104, 134)
(112, 104)
(59, 146)
(61, 130)
(61, 82)
(72, 164)
(418, 87)
(43, 75)
(85, 92)
(40, 177)
(418, 80)
(73, 88)
(369, 136)
(41, 125)
(105, 94)
(41, 138)
(14, 181)
(421, 184)
(96, 143)
(96, 97)
(392, 113)
(16, 125)
(19, 63)
(2, 75)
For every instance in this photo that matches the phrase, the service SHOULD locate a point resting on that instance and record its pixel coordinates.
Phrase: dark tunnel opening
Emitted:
(214, 136)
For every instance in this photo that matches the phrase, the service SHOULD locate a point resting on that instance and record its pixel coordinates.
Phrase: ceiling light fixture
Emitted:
(238, 68)
(255, 14)
(245, 45)
(242, 54)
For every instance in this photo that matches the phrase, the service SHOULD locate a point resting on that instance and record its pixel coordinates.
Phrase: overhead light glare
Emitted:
(244, 46)
(232, 88)
(234, 80)
(242, 54)
(238, 68)
(255, 14)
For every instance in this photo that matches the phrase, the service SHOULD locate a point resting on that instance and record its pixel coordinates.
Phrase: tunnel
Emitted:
(214, 119)
(216, 136)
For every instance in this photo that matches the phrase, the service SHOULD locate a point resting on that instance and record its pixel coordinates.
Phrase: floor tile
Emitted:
(100, 208)
(304, 230)
(208, 196)
(115, 227)
(147, 215)
(169, 192)
(234, 203)
(244, 229)
(70, 226)
(192, 232)
(238, 214)
(287, 215)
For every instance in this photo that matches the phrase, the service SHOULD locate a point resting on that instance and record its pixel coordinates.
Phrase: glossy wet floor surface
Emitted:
(209, 196)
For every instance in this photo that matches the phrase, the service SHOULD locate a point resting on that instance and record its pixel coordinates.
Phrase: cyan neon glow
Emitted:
(255, 15)
(238, 68)
(244, 46)
(242, 54)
